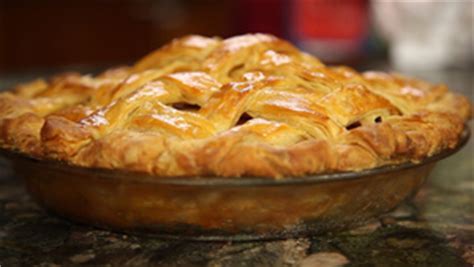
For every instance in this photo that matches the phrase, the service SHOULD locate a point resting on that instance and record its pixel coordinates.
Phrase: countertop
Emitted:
(435, 228)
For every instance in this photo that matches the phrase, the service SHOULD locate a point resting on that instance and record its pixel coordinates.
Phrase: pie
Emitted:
(250, 105)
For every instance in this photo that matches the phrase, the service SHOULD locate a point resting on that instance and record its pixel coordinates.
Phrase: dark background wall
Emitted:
(38, 35)
(50, 33)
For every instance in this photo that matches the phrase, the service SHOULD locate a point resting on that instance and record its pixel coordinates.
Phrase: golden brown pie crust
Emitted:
(250, 105)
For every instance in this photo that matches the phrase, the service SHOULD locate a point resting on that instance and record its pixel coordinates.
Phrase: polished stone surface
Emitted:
(436, 228)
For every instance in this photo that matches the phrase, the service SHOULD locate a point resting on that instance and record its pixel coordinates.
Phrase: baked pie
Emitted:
(250, 105)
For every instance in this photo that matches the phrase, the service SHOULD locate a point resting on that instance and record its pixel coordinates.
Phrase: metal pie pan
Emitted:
(212, 208)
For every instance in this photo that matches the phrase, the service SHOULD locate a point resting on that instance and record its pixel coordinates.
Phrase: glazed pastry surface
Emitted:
(250, 105)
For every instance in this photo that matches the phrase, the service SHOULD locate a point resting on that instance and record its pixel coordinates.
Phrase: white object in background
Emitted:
(427, 34)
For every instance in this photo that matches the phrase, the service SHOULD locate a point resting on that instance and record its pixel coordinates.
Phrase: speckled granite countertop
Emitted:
(436, 228)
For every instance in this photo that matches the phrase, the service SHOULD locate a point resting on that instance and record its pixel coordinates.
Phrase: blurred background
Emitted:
(42, 37)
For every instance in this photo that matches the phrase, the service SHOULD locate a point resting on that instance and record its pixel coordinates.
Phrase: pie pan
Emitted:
(211, 208)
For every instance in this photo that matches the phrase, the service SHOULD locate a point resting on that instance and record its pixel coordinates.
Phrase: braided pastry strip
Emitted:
(248, 105)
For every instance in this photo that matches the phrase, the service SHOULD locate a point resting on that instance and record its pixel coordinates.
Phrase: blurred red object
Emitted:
(335, 31)
(331, 19)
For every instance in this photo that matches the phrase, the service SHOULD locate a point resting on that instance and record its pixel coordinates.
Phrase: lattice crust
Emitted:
(248, 105)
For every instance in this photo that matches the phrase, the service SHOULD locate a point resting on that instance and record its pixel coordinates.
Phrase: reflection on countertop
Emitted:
(436, 228)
